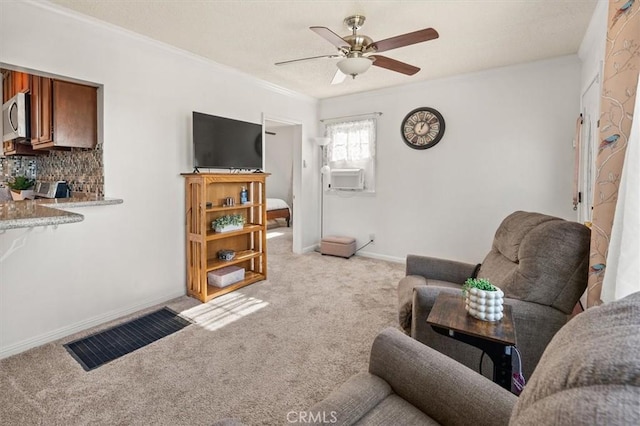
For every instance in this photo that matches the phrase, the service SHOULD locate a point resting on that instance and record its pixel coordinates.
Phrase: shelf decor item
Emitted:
(227, 223)
(226, 254)
(21, 188)
(483, 300)
(225, 276)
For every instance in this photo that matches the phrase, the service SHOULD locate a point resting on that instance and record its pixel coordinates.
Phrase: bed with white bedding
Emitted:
(278, 209)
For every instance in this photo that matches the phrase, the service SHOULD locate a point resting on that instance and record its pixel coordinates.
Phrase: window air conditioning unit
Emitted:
(347, 179)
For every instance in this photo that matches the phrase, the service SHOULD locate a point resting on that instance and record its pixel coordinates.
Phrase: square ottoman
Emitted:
(338, 246)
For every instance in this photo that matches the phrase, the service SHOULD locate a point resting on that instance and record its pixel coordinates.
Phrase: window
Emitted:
(353, 146)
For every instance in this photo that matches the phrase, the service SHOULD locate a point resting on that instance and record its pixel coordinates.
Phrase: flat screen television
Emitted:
(224, 143)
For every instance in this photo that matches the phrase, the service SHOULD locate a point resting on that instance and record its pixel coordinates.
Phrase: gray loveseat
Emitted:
(588, 375)
(539, 261)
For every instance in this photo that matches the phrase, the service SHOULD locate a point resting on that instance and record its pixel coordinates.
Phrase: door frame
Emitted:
(296, 216)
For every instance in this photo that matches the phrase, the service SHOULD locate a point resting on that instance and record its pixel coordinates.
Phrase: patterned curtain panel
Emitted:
(621, 65)
(623, 261)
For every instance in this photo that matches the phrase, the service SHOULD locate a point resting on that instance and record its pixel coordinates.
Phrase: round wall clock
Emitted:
(422, 128)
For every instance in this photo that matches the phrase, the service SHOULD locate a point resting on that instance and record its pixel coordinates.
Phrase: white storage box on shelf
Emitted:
(225, 276)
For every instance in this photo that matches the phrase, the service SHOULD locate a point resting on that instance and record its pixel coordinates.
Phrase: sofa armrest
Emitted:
(442, 388)
(439, 269)
(423, 300)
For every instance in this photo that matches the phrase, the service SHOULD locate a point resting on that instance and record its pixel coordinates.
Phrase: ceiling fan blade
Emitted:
(393, 65)
(403, 40)
(306, 59)
(330, 36)
(338, 77)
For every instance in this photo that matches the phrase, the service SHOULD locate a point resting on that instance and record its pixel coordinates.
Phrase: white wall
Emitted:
(507, 146)
(54, 281)
(592, 48)
(279, 162)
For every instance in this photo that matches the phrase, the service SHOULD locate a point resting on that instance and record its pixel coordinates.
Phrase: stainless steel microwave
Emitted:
(15, 118)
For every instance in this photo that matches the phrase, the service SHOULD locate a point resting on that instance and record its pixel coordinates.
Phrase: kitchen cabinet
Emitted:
(14, 82)
(17, 148)
(63, 114)
(205, 201)
(41, 114)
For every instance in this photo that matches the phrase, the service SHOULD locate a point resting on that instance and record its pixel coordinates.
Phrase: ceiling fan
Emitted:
(359, 51)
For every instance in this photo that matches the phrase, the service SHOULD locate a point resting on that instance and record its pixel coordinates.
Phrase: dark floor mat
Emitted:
(93, 351)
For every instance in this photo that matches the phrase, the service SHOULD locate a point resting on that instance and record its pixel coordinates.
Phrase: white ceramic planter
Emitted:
(228, 228)
(25, 194)
(484, 305)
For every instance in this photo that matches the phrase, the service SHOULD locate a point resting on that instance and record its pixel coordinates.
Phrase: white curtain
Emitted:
(353, 145)
(352, 140)
(623, 259)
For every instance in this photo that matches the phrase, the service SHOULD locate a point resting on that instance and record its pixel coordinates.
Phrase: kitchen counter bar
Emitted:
(44, 212)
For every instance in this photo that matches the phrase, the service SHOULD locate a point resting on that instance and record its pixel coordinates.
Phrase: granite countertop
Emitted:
(44, 211)
(77, 200)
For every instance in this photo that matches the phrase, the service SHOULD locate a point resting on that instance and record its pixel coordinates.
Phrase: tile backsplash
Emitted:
(11, 167)
(82, 168)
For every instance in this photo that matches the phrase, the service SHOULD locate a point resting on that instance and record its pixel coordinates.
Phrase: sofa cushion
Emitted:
(352, 400)
(513, 229)
(539, 258)
(405, 296)
(423, 378)
(394, 410)
(590, 371)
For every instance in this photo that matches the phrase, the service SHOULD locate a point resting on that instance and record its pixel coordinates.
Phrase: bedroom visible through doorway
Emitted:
(279, 151)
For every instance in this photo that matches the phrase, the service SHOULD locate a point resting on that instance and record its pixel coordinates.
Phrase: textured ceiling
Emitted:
(252, 35)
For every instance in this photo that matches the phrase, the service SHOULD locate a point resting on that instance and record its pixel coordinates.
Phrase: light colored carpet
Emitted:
(255, 354)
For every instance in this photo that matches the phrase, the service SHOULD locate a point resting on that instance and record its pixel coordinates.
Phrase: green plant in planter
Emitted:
(479, 283)
(229, 219)
(20, 183)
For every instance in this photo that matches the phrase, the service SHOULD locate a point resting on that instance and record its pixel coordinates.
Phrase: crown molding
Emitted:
(62, 11)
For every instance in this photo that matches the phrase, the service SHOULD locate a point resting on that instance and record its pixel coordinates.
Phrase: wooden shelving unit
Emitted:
(203, 244)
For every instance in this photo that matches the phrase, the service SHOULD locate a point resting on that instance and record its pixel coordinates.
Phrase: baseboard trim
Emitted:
(310, 249)
(316, 247)
(381, 257)
(24, 345)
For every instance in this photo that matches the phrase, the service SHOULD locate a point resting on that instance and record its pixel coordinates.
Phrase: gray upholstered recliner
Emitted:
(539, 261)
(588, 375)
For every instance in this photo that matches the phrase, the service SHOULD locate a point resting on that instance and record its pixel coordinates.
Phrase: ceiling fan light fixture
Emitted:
(354, 66)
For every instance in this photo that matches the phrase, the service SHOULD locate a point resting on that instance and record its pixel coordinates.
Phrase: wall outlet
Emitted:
(372, 237)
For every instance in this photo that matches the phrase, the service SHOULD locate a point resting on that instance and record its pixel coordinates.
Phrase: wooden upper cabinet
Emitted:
(6, 76)
(20, 82)
(63, 114)
(14, 82)
(41, 114)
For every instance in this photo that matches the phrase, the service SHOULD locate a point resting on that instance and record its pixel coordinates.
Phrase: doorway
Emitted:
(589, 148)
(281, 140)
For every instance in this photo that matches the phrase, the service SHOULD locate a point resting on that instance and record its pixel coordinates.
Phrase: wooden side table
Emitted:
(449, 318)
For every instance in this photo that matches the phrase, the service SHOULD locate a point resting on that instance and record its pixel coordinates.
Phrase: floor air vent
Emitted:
(98, 349)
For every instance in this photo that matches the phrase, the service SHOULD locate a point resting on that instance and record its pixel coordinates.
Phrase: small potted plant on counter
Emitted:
(229, 222)
(483, 300)
(21, 188)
